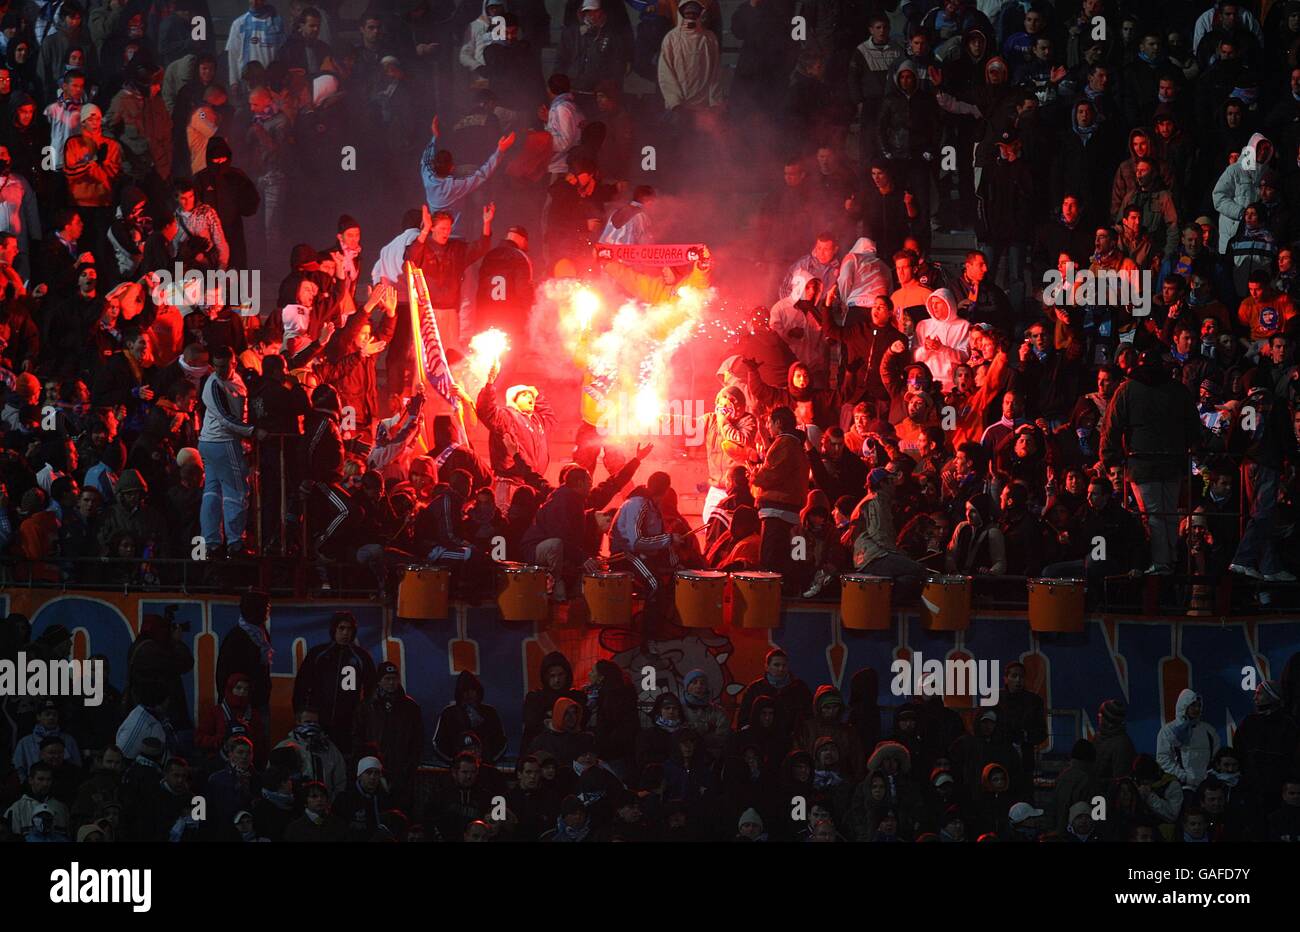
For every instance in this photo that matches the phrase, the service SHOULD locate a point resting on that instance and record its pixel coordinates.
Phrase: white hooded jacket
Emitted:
(690, 68)
(952, 332)
(1184, 748)
(478, 36)
(1236, 189)
(808, 341)
(863, 276)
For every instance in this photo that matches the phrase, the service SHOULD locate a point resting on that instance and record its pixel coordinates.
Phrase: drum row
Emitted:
(1055, 605)
(711, 599)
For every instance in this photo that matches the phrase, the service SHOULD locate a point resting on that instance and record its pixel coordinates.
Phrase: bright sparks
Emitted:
(586, 305)
(626, 349)
(486, 350)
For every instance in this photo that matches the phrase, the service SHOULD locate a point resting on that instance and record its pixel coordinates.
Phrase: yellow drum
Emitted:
(524, 595)
(864, 602)
(756, 599)
(424, 592)
(609, 598)
(699, 596)
(945, 603)
(1056, 605)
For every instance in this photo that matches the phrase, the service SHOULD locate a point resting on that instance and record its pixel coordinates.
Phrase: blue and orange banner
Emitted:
(1144, 660)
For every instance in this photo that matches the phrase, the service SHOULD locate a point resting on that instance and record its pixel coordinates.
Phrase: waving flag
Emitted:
(431, 361)
(431, 368)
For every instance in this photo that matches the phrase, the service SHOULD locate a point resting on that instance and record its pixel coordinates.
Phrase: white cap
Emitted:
(369, 763)
(590, 5)
(1021, 811)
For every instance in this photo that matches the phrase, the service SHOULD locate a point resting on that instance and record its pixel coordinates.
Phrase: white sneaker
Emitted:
(1245, 571)
(1160, 569)
(1280, 576)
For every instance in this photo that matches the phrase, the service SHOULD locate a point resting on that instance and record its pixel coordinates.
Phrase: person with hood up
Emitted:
(993, 801)
(233, 715)
(1152, 422)
(893, 763)
(390, 722)
(763, 734)
(1185, 745)
(827, 723)
(231, 193)
(943, 340)
(555, 674)
(797, 319)
(318, 758)
(1239, 185)
(704, 714)
(908, 127)
(730, 432)
(690, 63)
(562, 735)
(468, 712)
(863, 279)
(480, 33)
(319, 683)
(794, 779)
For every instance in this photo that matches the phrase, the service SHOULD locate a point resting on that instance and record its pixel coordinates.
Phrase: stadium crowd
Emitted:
(598, 761)
(897, 415)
